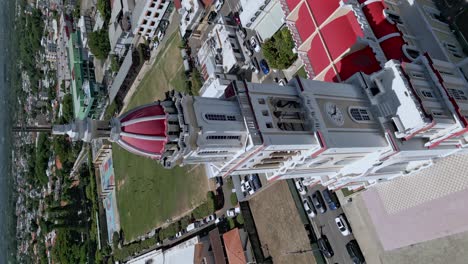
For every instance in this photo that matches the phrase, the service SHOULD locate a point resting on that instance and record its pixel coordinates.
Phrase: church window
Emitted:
(457, 94)
(220, 117)
(265, 113)
(453, 49)
(223, 137)
(427, 93)
(359, 114)
(261, 101)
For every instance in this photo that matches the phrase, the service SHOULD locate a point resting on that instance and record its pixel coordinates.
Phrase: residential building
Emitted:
(87, 98)
(194, 250)
(263, 16)
(220, 57)
(120, 28)
(51, 52)
(147, 15)
(191, 13)
(85, 26)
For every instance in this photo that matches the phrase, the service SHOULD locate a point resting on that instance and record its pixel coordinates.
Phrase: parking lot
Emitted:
(324, 224)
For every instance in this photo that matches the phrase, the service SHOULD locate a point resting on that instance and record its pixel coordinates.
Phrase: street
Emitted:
(325, 224)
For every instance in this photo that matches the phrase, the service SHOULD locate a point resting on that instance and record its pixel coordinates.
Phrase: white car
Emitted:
(219, 5)
(210, 218)
(233, 212)
(309, 208)
(342, 225)
(254, 44)
(281, 82)
(300, 187)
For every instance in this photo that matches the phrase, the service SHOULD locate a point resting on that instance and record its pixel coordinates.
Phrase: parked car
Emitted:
(318, 202)
(355, 252)
(233, 212)
(210, 218)
(342, 225)
(219, 5)
(254, 44)
(309, 208)
(254, 68)
(242, 32)
(331, 199)
(300, 187)
(191, 227)
(255, 181)
(281, 82)
(255, 63)
(211, 16)
(236, 18)
(325, 247)
(264, 66)
(246, 188)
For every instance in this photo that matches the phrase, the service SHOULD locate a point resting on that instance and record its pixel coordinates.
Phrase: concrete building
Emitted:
(85, 26)
(330, 37)
(120, 28)
(147, 15)
(86, 96)
(51, 52)
(220, 58)
(375, 111)
(195, 250)
(263, 16)
(191, 13)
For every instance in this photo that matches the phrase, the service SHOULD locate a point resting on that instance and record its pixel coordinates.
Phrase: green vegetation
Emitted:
(110, 111)
(123, 253)
(115, 65)
(99, 43)
(67, 110)
(231, 223)
(42, 157)
(103, 6)
(278, 49)
(148, 194)
(196, 82)
(167, 73)
(240, 219)
(233, 199)
(302, 73)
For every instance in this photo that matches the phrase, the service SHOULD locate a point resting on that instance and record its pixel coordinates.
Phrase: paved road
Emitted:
(325, 223)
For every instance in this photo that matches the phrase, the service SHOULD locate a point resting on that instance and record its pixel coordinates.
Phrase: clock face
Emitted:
(334, 113)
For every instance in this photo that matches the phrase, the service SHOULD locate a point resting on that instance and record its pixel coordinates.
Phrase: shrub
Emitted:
(278, 49)
(231, 223)
(240, 219)
(233, 199)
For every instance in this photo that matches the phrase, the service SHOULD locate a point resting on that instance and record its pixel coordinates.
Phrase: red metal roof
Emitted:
(323, 9)
(304, 23)
(292, 3)
(374, 13)
(317, 55)
(360, 61)
(392, 48)
(156, 128)
(341, 34)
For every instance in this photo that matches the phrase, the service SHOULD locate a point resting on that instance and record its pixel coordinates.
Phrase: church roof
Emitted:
(143, 130)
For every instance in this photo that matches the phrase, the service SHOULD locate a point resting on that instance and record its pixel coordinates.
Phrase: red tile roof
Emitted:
(234, 248)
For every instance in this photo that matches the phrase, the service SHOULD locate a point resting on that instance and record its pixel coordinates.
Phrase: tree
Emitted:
(99, 43)
(278, 50)
(233, 199)
(67, 108)
(196, 83)
(104, 8)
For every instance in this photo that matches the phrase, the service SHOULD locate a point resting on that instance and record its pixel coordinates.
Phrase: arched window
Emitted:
(410, 52)
(360, 114)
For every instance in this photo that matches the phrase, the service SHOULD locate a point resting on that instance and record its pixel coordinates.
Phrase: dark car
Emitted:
(211, 16)
(325, 247)
(318, 202)
(331, 199)
(264, 66)
(355, 252)
(236, 18)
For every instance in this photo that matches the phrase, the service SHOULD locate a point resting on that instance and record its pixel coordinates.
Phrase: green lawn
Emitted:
(302, 73)
(166, 74)
(148, 194)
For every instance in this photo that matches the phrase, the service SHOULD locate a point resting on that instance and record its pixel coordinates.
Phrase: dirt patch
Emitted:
(286, 240)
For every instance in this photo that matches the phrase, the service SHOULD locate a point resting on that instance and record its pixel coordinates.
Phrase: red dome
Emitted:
(143, 130)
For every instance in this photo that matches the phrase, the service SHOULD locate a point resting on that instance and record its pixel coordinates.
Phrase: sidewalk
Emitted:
(291, 71)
